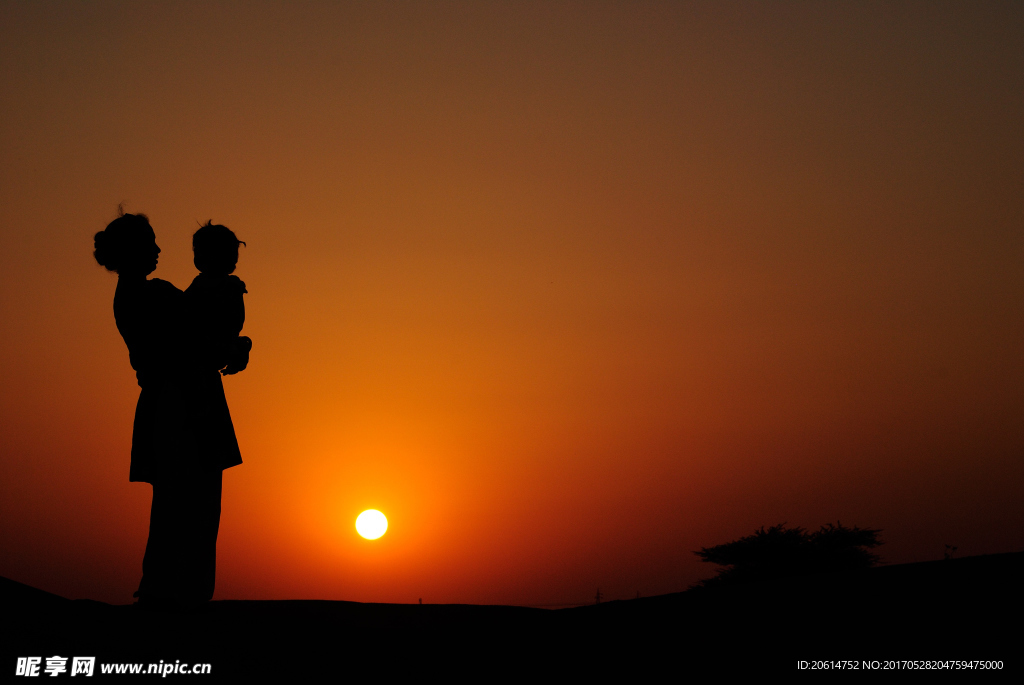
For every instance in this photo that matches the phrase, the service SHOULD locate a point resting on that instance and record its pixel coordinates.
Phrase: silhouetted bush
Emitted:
(780, 551)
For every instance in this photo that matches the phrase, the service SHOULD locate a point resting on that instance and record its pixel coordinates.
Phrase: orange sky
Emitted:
(567, 290)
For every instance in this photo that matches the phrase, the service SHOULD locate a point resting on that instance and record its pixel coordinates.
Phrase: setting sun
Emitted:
(371, 524)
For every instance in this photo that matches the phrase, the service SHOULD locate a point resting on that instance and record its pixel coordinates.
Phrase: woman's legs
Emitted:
(154, 585)
(199, 548)
(180, 564)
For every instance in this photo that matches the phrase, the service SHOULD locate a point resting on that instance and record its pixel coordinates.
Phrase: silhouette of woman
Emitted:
(179, 410)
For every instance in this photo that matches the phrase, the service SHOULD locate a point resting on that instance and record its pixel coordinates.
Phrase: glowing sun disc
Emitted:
(371, 524)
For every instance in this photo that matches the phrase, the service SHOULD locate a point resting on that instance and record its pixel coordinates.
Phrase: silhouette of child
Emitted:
(215, 301)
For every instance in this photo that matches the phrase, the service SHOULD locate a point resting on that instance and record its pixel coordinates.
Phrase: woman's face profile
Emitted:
(155, 256)
(144, 255)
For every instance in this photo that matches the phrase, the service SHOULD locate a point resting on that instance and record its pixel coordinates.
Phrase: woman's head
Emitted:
(127, 245)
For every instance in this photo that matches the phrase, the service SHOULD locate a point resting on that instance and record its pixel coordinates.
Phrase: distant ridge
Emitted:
(950, 609)
(15, 595)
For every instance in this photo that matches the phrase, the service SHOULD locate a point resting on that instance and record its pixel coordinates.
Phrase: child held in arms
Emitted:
(215, 300)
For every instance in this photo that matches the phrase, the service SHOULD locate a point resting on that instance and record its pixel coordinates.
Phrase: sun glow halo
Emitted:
(371, 524)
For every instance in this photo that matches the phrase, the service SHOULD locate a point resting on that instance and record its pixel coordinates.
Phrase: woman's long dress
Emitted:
(179, 443)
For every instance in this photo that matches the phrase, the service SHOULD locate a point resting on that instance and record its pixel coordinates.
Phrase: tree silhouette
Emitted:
(780, 551)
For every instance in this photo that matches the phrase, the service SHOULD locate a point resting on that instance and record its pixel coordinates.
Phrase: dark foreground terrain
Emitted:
(962, 609)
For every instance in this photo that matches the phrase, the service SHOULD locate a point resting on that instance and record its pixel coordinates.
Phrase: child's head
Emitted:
(215, 248)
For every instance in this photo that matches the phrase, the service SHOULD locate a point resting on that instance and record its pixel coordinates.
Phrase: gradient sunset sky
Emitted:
(566, 290)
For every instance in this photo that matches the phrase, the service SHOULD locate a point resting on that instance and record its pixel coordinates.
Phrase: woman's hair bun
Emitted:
(102, 252)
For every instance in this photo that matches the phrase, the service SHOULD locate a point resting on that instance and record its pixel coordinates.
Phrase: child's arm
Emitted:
(238, 358)
(240, 346)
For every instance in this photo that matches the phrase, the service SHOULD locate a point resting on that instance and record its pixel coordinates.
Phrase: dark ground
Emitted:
(960, 609)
